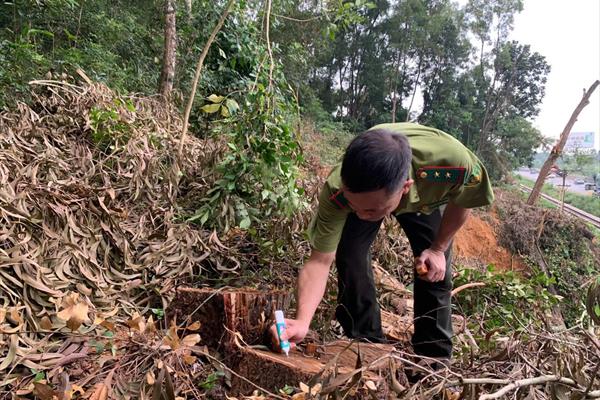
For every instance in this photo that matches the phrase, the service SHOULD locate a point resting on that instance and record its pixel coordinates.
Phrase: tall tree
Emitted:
(515, 89)
(167, 75)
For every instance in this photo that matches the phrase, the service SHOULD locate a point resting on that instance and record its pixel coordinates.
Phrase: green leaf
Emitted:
(245, 223)
(40, 32)
(98, 346)
(232, 105)
(69, 35)
(225, 111)
(211, 108)
(222, 53)
(215, 98)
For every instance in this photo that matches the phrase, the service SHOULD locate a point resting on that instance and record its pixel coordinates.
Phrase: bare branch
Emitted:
(199, 66)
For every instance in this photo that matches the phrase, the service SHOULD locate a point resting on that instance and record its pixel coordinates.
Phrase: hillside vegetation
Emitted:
(106, 208)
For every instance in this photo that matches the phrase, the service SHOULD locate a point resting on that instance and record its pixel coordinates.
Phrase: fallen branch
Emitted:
(466, 286)
(512, 385)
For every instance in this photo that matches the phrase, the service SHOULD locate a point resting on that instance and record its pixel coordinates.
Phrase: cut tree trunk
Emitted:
(332, 366)
(557, 150)
(222, 313)
(167, 75)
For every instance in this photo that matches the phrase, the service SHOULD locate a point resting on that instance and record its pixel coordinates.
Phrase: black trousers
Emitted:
(358, 311)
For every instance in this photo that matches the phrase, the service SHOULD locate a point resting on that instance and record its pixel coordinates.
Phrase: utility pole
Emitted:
(563, 173)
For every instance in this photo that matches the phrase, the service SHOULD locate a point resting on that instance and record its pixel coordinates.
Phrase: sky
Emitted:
(567, 33)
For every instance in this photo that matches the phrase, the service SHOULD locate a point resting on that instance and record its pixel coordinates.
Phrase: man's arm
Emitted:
(311, 287)
(453, 219)
(434, 258)
(311, 284)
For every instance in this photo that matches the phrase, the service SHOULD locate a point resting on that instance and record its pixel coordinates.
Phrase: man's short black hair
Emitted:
(376, 159)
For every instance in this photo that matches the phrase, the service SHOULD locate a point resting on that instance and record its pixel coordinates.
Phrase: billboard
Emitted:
(580, 140)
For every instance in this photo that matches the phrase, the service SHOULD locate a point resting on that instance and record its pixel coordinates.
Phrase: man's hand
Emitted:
(435, 263)
(295, 331)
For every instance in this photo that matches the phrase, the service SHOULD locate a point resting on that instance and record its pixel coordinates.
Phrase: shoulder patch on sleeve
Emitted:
(436, 174)
(474, 178)
(339, 200)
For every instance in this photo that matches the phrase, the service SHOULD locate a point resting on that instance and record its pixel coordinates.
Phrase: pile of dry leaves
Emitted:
(88, 242)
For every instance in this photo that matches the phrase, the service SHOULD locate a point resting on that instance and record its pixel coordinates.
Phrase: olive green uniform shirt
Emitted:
(442, 168)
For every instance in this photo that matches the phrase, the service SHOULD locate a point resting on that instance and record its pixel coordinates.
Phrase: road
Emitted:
(557, 181)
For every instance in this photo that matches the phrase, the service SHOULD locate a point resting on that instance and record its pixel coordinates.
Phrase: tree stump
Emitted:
(221, 313)
(233, 320)
(333, 365)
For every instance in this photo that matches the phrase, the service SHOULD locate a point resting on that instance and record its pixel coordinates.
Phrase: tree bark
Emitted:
(224, 313)
(167, 75)
(557, 150)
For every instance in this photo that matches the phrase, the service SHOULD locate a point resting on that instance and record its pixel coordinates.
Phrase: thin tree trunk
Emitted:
(188, 9)
(199, 66)
(557, 150)
(341, 102)
(167, 75)
(412, 99)
(394, 85)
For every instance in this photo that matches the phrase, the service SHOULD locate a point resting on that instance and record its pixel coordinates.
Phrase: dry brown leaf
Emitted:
(2, 314)
(172, 340)
(14, 316)
(299, 396)
(150, 378)
(100, 392)
(371, 385)
(44, 392)
(75, 311)
(189, 360)
(304, 387)
(84, 289)
(72, 390)
(450, 394)
(194, 327)
(46, 323)
(150, 326)
(108, 325)
(109, 314)
(190, 340)
(316, 389)
(137, 322)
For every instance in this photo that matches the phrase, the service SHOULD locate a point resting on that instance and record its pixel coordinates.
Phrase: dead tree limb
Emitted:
(557, 150)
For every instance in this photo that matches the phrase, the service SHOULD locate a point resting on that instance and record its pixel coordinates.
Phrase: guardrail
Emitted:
(585, 216)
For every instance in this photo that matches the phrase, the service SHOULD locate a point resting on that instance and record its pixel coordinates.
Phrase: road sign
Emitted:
(580, 140)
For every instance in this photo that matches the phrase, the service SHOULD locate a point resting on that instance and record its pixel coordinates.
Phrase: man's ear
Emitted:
(407, 185)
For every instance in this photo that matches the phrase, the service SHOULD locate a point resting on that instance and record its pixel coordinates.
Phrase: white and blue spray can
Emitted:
(280, 325)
